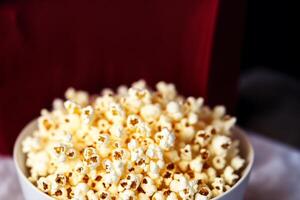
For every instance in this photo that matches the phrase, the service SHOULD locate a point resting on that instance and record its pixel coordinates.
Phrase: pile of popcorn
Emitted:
(135, 143)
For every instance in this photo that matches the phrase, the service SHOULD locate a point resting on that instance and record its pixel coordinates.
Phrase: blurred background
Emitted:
(269, 86)
(47, 46)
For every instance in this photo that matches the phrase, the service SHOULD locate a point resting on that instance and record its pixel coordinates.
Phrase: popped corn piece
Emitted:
(61, 179)
(70, 93)
(132, 144)
(81, 190)
(186, 153)
(205, 154)
(218, 185)
(154, 152)
(130, 182)
(211, 173)
(150, 112)
(91, 195)
(60, 193)
(148, 186)
(140, 84)
(183, 165)
(172, 156)
(133, 121)
(229, 175)
(143, 196)
(237, 163)
(137, 154)
(158, 196)
(220, 145)
(105, 195)
(194, 104)
(71, 153)
(179, 183)
(45, 124)
(202, 138)
(192, 118)
(87, 115)
(154, 170)
(79, 97)
(219, 162)
(168, 91)
(174, 111)
(38, 162)
(172, 196)
(164, 122)
(203, 194)
(31, 144)
(70, 123)
(72, 107)
(127, 195)
(116, 131)
(44, 184)
(93, 162)
(196, 164)
(103, 126)
(165, 138)
(122, 90)
(115, 113)
(218, 112)
(58, 104)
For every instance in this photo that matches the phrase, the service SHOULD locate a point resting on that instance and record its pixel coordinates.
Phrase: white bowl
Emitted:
(33, 193)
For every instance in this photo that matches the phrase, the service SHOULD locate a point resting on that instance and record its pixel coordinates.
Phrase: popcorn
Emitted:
(91, 195)
(168, 91)
(194, 105)
(79, 97)
(72, 108)
(174, 110)
(219, 162)
(31, 144)
(218, 185)
(158, 196)
(165, 138)
(115, 113)
(192, 118)
(81, 190)
(237, 163)
(150, 112)
(204, 194)
(186, 153)
(133, 121)
(133, 144)
(172, 196)
(154, 170)
(148, 186)
(116, 131)
(127, 195)
(179, 183)
(229, 175)
(44, 184)
(87, 115)
(196, 164)
(220, 144)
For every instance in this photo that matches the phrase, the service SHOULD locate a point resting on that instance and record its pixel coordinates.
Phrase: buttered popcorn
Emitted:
(133, 144)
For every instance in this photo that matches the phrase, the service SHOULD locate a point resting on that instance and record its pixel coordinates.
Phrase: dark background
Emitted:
(269, 83)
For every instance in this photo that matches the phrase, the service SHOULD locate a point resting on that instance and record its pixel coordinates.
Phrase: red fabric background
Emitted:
(47, 46)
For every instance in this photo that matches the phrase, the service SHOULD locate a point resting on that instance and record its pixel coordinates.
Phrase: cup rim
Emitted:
(246, 171)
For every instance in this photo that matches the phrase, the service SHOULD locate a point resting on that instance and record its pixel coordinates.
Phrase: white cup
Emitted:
(31, 192)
